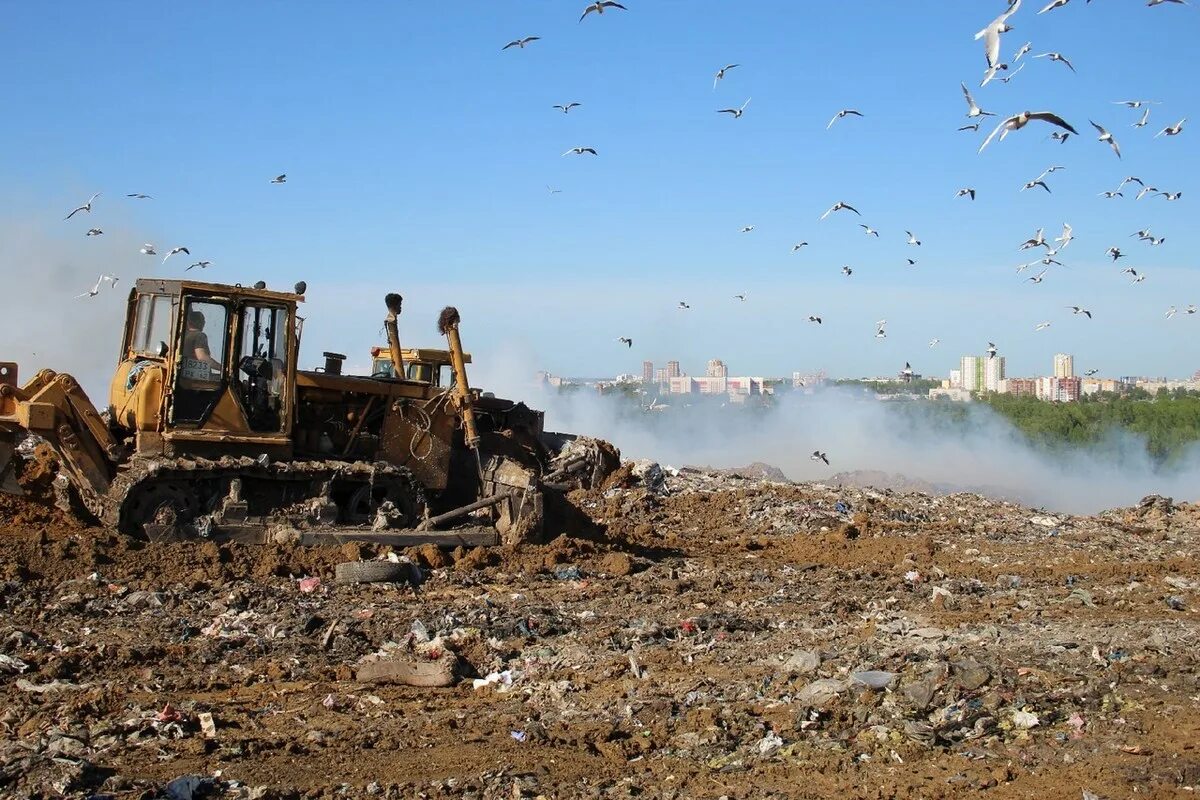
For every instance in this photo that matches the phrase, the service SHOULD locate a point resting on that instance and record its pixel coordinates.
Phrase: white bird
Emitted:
(1041, 276)
(817, 455)
(1041, 326)
(1142, 234)
(1077, 310)
(566, 107)
(740, 297)
(1145, 191)
(1049, 171)
(934, 342)
(1053, 4)
(1129, 271)
(913, 240)
(1134, 103)
(1060, 137)
(746, 229)
(1105, 136)
(796, 247)
(1032, 184)
(973, 109)
(1068, 236)
(1131, 179)
(95, 290)
(907, 372)
(972, 127)
(148, 249)
(1012, 74)
(175, 251)
(1038, 240)
(1091, 372)
(1018, 121)
(1191, 309)
(1139, 278)
(279, 179)
(869, 231)
(1110, 195)
(94, 232)
(139, 196)
(880, 332)
(552, 190)
(991, 35)
(1156, 242)
(1056, 57)
(991, 350)
(815, 319)
(200, 264)
(683, 306)
(847, 271)
(1025, 48)
(599, 7)
(520, 43)
(1172, 130)
(1170, 195)
(1170, 312)
(1152, 3)
(838, 206)
(1114, 252)
(85, 207)
(843, 113)
(965, 192)
(625, 341)
(580, 151)
(1141, 123)
(737, 112)
(721, 73)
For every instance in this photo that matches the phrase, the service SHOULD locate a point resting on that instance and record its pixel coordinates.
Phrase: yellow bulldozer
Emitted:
(212, 430)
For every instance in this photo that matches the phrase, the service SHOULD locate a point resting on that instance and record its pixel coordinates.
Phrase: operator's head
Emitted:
(195, 321)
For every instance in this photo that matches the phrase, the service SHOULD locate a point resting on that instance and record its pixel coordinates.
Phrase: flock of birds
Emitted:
(992, 36)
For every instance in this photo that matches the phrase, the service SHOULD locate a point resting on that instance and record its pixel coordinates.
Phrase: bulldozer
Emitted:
(213, 431)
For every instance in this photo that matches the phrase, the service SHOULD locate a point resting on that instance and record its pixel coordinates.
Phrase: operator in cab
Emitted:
(198, 362)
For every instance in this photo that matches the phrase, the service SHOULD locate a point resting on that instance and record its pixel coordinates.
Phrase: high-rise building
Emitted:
(660, 376)
(1064, 365)
(993, 373)
(955, 379)
(1059, 390)
(970, 373)
(647, 372)
(717, 369)
(673, 369)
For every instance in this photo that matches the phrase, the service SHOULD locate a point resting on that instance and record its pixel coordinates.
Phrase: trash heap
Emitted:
(698, 634)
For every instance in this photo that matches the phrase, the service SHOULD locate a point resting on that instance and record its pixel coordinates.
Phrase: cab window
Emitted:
(382, 368)
(152, 327)
(261, 378)
(419, 371)
(199, 364)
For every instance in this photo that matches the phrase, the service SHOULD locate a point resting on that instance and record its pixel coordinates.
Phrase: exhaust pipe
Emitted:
(393, 302)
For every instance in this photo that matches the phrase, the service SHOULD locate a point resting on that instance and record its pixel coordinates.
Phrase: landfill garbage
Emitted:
(190, 787)
(729, 638)
(309, 585)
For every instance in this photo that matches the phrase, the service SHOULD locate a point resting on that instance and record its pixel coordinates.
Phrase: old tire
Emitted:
(352, 572)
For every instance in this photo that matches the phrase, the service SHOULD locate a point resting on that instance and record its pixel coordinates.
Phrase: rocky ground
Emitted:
(699, 635)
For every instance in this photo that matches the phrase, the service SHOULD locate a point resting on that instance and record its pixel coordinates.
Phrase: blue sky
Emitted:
(418, 156)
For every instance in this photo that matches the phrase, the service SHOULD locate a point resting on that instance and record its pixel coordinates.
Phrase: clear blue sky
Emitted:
(418, 156)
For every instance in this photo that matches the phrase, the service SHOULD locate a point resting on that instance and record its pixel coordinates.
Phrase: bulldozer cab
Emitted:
(421, 365)
(228, 356)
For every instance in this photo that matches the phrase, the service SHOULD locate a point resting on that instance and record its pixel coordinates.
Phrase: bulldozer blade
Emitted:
(8, 475)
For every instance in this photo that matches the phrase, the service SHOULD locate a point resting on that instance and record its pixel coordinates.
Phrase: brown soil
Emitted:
(1089, 623)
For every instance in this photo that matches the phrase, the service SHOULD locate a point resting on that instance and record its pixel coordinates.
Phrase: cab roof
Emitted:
(417, 354)
(178, 287)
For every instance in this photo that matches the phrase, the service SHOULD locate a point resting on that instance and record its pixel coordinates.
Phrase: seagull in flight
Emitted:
(1129, 271)
(1053, 4)
(847, 271)
(721, 73)
(740, 297)
(991, 37)
(1090, 373)
(85, 207)
(520, 43)
(1142, 234)
(279, 178)
(1041, 276)
(880, 331)
(746, 229)
(991, 350)
(1131, 179)
(1025, 48)
(1077, 310)
(737, 112)
(566, 107)
(94, 232)
(869, 231)
(1105, 136)
(1191, 309)
(580, 151)
(1068, 236)
(911, 262)
(599, 7)
(1141, 123)
(1038, 240)
(797, 246)
(552, 190)
(1110, 195)
(1170, 195)
(934, 342)
(907, 372)
(95, 290)
(965, 192)
(1170, 312)
(1156, 242)
(817, 455)
(1139, 278)
(1134, 103)
(1049, 171)
(139, 196)
(1114, 253)
(1012, 74)
(626, 341)
(973, 109)
(1041, 326)
(971, 127)
(815, 319)
(148, 249)
(1145, 190)
(200, 264)
(839, 206)
(1032, 184)
(1056, 57)
(1172, 130)
(913, 240)
(1018, 121)
(1060, 137)
(1160, 2)
(683, 306)
(175, 251)
(843, 113)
